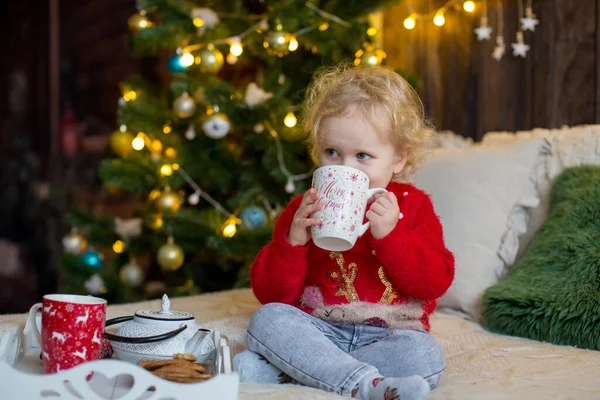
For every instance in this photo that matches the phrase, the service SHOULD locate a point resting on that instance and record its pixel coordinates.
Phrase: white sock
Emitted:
(376, 387)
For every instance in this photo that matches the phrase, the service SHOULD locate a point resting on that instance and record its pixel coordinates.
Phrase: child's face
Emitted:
(352, 141)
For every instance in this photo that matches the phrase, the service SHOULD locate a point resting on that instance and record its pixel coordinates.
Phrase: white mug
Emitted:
(344, 192)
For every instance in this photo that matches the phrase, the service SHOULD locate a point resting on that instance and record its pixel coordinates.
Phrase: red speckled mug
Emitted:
(72, 329)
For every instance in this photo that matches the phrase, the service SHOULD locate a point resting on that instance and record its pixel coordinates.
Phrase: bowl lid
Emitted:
(165, 314)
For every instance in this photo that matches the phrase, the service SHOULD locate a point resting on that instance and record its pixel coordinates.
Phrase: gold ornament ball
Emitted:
(168, 202)
(210, 59)
(277, 43)
(170, 256)
(184, 106)
(74, 243)
(371, 56)
(120, 143)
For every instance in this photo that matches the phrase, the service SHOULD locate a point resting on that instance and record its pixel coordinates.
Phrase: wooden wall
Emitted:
(467, 91)
(94, 53)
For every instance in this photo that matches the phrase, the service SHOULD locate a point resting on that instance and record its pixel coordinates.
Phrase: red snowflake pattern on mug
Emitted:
(68, 323)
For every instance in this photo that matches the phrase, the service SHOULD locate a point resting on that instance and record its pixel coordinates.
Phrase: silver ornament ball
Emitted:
(131, 274)
(184, 106)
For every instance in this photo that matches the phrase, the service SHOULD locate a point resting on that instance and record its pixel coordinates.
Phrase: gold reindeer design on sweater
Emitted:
(346, 275)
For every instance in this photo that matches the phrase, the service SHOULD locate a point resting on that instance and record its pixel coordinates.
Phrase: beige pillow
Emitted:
(568, 146)
(480, 194)
(449, 139)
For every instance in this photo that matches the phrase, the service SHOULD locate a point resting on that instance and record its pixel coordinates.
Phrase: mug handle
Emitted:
(367, 225)
(32, 323)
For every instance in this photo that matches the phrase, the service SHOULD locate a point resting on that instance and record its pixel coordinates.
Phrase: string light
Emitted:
(154, 194)
(156, 146)
(293, 46)
(230, 228)
(167, 129)
(138, 142)
(372, 31)
(166, 170)
(437, 15)
(236, 46)
(170, 152)
(186, 59)
(198, 22)
(439, 19)
(290, 120)
(410, 22)
(118, 247)
(289, 186)
(130, 95)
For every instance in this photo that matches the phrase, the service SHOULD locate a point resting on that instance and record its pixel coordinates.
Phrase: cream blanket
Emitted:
(480, 365)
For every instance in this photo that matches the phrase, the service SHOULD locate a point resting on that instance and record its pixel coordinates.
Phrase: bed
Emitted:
(480, 365)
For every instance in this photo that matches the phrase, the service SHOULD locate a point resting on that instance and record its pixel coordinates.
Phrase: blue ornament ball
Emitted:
(253, 217)
(174, 65)
(92, 260)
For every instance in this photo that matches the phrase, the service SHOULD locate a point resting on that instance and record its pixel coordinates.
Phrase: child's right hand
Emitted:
(299, 233)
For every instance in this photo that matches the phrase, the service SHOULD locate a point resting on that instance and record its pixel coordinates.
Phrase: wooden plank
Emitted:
(543, 56)
(455, 48)
(576, 70)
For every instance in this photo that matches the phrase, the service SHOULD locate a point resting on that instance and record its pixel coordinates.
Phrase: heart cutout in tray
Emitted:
(111, 388)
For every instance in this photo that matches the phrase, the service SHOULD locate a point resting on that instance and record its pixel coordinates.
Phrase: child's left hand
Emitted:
(383, 214)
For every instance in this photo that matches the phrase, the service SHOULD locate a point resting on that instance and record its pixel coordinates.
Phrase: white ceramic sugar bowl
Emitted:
(155, 334)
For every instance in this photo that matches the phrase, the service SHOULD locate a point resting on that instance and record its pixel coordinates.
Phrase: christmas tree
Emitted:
(214, 156)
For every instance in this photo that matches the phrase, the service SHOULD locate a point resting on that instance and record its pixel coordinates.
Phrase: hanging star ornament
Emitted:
(530, 21)
(519, 47)
(483, 32)
(499, 49)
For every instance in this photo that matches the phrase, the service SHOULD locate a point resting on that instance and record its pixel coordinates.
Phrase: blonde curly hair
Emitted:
(384, 97)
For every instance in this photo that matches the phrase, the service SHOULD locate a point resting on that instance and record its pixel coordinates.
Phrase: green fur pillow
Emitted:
(553, 293)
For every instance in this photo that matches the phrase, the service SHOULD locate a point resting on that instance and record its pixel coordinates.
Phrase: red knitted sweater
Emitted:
(393, 281)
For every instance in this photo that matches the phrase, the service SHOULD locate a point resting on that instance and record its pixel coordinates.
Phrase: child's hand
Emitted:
(300, 230)
(383, 214)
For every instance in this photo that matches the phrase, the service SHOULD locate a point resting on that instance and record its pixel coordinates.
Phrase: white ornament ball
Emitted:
(95, 284)
(184, 106)
(194, 198)
(259, 128)
(290, 186)
(131, 274)
(216, 126)
(190, 133)
(74, 243)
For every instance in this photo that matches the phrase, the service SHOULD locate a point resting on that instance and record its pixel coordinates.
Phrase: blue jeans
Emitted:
(288, 345)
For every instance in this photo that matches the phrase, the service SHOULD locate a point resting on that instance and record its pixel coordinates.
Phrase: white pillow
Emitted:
(480, 193)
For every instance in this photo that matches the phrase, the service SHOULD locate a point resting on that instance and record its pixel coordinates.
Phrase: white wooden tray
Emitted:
(22, 377)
